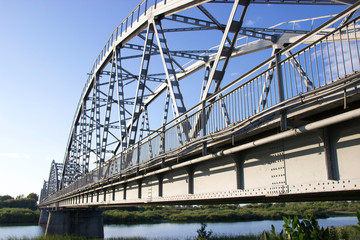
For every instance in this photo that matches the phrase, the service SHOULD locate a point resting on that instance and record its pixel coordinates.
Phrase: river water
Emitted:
(174, 230)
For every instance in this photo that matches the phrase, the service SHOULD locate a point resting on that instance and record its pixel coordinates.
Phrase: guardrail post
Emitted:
(121, 162)
(163, 146)
(138, 159)
(100, 171)
(203, 115)
(146, 1)
(280, 82)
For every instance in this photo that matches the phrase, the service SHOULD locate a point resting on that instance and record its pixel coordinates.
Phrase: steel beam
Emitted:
(141, 85)
(121, 102)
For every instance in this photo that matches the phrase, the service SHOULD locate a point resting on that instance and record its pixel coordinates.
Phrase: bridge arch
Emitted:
(113, 131)
(53, 184)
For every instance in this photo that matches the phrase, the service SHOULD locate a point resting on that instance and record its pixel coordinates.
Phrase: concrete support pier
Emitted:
(76, 222)
(44, 215)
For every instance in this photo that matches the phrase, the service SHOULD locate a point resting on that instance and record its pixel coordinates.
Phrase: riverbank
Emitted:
(229, 213)
(206, 213)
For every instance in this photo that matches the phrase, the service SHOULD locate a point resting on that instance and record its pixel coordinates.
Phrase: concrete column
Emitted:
(44, 215)
(86, 223)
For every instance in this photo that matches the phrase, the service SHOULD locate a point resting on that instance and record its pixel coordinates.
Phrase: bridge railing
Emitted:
(286, 77)
(283, 79)
(290, 75)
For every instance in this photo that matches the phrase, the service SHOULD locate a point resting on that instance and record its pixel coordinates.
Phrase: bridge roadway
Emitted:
(288, 130)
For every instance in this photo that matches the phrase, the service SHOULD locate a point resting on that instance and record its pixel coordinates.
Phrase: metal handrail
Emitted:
(301, 86)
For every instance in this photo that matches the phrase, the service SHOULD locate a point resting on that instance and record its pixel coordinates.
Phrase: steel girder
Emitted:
(124, 87)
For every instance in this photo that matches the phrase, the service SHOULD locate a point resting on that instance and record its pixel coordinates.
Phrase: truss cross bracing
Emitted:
(155, 85)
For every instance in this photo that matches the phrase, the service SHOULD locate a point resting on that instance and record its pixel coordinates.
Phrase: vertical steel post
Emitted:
(280, 83)
(124, 191)
(139, 182)
(138, 159)
(162, 135)
(203, 113)
(330, 155)
(190, 172)
(160, 179)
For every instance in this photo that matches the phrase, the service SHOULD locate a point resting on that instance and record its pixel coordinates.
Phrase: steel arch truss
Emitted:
(135, 81)
(53, 184)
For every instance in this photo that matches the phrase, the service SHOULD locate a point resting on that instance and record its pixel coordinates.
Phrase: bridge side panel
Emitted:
(346, 143)
(175, 182)
(264, 166)
(216, 175)
(305, 159)
(132, 191)
(150, 189)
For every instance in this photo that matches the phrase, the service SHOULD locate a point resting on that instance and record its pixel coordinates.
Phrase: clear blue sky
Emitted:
(46, 50)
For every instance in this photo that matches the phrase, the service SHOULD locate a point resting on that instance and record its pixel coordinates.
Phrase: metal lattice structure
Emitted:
(53, 184)
(132, 111)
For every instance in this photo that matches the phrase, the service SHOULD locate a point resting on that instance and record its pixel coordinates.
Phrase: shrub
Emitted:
(203, 234)
(299, 230)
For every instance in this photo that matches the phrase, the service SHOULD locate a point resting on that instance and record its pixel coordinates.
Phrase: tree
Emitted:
(33, 196)
(21, 196)
(5, 197)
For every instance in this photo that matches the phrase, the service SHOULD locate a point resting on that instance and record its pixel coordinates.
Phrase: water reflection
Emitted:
(173, 230)
(188, 230)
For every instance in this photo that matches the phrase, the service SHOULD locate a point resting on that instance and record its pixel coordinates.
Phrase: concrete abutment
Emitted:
(75, 222)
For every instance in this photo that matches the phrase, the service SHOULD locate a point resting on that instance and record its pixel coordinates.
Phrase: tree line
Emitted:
(24, 210)
(19, 210)
(227, 213)
(20, 201)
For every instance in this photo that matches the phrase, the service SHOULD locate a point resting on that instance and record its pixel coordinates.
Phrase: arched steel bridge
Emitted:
(160, 97)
